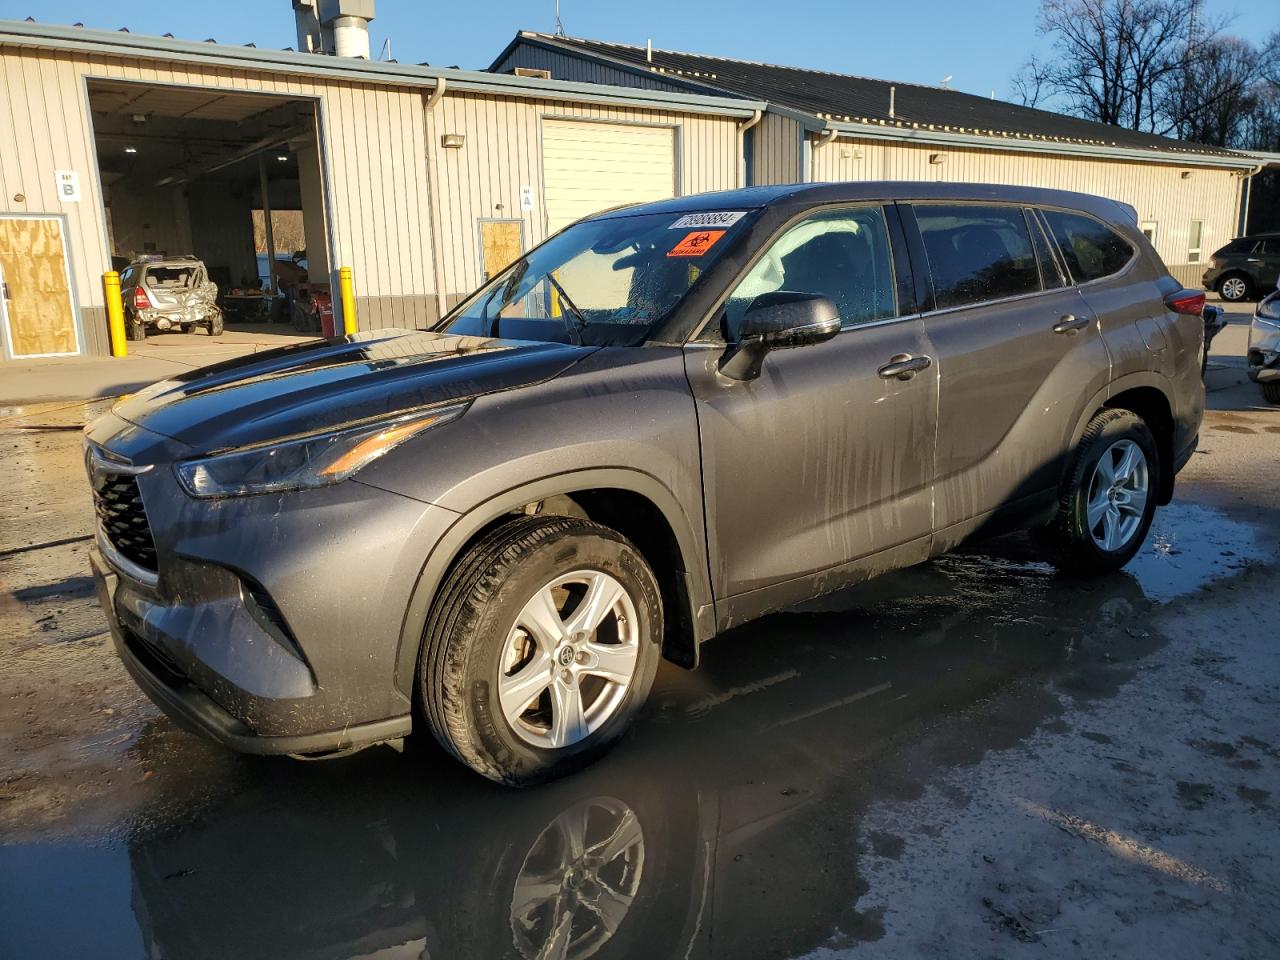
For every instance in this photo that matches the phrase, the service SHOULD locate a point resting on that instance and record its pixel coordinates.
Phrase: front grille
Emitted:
(124, 520)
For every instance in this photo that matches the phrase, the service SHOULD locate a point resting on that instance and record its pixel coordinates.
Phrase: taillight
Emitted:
(143, 302)
(1190, 302)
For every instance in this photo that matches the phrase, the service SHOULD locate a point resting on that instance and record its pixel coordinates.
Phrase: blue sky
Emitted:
(981, 44)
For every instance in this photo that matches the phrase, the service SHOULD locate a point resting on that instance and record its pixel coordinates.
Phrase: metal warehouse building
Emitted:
(421, 180)
(425, 180)
(821, 126)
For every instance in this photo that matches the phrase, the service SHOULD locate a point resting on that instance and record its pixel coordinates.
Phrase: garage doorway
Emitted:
(185, 171)
(36, 308)
(589, 166)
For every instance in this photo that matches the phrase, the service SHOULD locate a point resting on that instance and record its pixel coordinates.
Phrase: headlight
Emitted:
(310, 461)
(1269, 309)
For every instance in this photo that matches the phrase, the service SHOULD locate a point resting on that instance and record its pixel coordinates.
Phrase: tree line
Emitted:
(1163, 67)
(1157, 66)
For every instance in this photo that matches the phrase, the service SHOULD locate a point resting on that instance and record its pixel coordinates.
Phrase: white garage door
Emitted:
(588, 167)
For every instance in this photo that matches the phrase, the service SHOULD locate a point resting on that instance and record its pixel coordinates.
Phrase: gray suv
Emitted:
(665, 421)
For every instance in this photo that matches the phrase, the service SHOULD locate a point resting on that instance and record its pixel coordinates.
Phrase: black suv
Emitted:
(1246, 268)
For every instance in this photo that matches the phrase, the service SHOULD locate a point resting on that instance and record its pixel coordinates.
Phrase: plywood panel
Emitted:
(38, 310)
(501, 244)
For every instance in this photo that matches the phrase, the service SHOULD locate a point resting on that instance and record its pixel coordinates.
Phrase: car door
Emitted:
(822, 459)
(1018, 350)
(1268, 266)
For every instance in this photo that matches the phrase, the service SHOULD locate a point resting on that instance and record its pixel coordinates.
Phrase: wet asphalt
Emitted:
(975, 757)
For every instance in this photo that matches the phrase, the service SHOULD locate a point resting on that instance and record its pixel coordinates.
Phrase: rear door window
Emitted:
(977, 253)
(1092, 250)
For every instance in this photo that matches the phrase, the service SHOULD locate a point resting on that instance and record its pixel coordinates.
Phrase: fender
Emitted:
(1130, 381)
(442, 555)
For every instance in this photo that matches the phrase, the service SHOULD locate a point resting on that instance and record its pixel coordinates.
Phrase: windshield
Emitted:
(600, 282)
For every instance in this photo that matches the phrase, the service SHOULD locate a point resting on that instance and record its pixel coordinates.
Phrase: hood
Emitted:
(323, 384)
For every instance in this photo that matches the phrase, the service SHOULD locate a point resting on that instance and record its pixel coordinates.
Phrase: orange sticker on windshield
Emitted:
(695, 244)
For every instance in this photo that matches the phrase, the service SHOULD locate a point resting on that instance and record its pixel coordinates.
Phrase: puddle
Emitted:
(1190, 546)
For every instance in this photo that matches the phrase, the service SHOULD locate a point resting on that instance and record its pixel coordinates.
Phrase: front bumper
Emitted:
(1264, 346)
(170, 689)
(276, 618)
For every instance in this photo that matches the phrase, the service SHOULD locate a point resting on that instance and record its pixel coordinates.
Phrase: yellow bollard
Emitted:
(115, 313)
(348, 301)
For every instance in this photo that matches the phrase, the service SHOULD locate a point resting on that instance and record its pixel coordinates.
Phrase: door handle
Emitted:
(1070, 323)
(904, 366)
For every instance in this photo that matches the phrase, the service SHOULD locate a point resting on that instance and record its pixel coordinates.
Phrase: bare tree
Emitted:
(1113, 59)
(1210, 100)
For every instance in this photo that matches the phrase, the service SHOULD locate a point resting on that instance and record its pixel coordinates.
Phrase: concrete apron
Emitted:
(161, 355)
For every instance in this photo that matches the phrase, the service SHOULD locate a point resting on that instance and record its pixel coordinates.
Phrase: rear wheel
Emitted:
(134, 329)
(1108, 501)
(1234, 288)
(1271, 391)
(542, 647)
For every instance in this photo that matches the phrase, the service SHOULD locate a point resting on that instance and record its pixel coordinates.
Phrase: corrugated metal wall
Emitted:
(43, 127)
(503, 152)
(1157, 190)
(778, 150)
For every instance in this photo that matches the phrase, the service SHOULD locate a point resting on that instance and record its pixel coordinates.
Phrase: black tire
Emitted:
(469, 627)
(215, 325)
(1271, 391)
(1073, 547)
(134, 329)
(1235, 293)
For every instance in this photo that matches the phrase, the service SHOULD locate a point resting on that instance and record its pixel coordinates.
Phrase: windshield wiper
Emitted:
(576, 332)
(505, 289)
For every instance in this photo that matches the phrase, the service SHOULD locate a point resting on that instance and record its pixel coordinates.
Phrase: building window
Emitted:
(1193, 241)
(1149, 230)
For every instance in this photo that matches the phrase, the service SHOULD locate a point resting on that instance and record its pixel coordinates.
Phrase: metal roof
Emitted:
(126, 44)
(855, 104)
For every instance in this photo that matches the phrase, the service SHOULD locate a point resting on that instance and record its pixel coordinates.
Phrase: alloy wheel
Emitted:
(569, 659)
(1233, 288)
(1118, 495)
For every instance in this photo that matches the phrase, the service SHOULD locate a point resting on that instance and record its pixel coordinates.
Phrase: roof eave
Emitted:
(50, 36)
(1026, 144)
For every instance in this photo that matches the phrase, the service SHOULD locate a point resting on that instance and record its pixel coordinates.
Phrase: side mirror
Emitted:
(777, 321)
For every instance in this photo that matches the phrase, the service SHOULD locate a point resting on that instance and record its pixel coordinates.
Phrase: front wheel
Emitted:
(541, 649)
(1234, 288)
(215, 325)
(1271, 391)
(1108, 501)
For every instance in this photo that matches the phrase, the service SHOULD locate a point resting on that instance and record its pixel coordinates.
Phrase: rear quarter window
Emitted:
(1091, 249)
(977, 253)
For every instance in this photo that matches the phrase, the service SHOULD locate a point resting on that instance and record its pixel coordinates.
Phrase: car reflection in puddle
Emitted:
(730, 816)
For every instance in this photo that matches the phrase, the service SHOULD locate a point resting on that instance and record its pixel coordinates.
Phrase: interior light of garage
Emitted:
(130, 149)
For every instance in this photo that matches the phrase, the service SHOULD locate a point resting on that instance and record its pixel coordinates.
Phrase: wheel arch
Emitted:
(1146, 395)
(635, 504)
